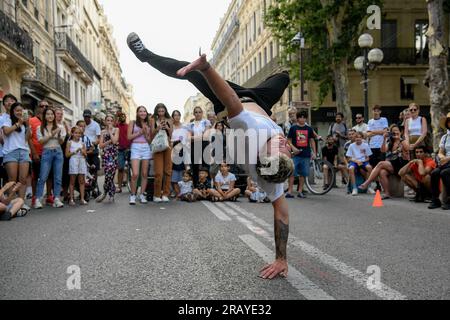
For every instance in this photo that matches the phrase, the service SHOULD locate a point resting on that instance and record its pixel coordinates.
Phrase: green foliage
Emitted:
(286, 17)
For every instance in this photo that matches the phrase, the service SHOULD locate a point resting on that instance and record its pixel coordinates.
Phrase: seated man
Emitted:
(442, 172)
(330, 153)
(359, 154)
(417, 174)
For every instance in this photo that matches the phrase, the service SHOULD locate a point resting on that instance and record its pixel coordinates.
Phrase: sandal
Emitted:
(84, 203)
(72, 203)
(21, 213)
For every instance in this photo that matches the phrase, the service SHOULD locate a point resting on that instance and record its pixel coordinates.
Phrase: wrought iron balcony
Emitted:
(410, 56)
(65, 44)
(15, 37)
(48, 77)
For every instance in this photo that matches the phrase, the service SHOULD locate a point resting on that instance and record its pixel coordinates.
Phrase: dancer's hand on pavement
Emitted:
(278, 268)
(200, 64)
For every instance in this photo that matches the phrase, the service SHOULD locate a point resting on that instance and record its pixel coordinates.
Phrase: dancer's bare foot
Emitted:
(200, 64)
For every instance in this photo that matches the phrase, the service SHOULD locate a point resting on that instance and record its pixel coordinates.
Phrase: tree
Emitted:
(330, 29)
(437, 75)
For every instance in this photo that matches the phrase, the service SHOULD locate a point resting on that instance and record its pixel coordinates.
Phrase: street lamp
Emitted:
(300, 41)
(368, 61)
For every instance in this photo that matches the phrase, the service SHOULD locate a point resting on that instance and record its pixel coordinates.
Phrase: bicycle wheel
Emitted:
(321, 177)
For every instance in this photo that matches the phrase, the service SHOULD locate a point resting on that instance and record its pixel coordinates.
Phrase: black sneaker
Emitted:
(136, 45)
(435, 204)
(445, 206)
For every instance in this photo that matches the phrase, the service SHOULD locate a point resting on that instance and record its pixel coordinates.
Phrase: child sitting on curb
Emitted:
(186, 188)
(254, 193)
(224, 183)
(10, 206)
(203, 188)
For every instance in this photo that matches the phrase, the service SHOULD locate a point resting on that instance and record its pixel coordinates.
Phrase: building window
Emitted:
(406, 90)
(251, 69)
(420, 38)
(265, 55)
(77, 97)
(389, 34)
(254, 26)
(25, 3)
(271, 50)
(255, 65)
(260, 60)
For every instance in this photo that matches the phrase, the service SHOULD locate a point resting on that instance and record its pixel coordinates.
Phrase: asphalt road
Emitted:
(340, 248)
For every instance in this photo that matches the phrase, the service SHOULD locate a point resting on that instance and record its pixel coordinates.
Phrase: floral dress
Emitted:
(110, 164)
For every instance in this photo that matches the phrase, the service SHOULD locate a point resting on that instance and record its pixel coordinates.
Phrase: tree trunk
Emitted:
(340, 69)
(342, 96)
(437, 75)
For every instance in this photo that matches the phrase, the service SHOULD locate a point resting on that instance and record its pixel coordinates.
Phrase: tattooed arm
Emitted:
(281, 217)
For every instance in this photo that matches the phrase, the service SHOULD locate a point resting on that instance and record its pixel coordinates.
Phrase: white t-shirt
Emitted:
(251, 120)
(361, 128)
(180, 134)
(92, 131)
(200, 128)
(359, 152)
(225, 181)
(3, 117)
(185, 187)
(445, 144)
(377, 125)
(16, 140)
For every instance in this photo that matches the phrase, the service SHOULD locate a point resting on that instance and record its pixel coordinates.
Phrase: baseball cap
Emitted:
(87, 113)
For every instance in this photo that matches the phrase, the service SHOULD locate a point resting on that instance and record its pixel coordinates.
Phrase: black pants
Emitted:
(266, 95)
(436, 176)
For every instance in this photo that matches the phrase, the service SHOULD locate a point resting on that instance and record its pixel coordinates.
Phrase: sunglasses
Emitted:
(412, 110)
(419, 152)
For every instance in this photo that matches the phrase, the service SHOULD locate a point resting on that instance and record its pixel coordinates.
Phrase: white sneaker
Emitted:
(38, 204)
(26, 207)
(143, 198)
(165, 199)
(371, 191)
(57, 203)
(132, 200)
(355, 192)
(157, 200)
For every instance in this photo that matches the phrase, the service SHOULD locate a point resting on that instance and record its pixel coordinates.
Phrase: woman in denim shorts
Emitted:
(16, 149)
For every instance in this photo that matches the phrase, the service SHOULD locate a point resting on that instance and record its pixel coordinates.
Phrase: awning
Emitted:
(410, 80)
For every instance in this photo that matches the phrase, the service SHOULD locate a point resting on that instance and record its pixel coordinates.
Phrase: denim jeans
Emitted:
(51, 158)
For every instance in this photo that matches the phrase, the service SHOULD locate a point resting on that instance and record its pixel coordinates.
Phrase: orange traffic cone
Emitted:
(378, 202)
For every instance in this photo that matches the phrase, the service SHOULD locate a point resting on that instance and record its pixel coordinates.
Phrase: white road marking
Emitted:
(383, 291)
(217, 212)
(303, 285)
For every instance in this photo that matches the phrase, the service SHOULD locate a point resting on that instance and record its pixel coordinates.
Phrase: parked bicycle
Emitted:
(322, 175)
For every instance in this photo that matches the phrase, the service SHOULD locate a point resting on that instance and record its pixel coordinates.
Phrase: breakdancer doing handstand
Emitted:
(246, 109)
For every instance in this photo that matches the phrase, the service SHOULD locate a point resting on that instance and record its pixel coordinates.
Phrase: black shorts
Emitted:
(376, 157)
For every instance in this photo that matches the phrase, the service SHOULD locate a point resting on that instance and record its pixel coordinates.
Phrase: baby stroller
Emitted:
(91, 191)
